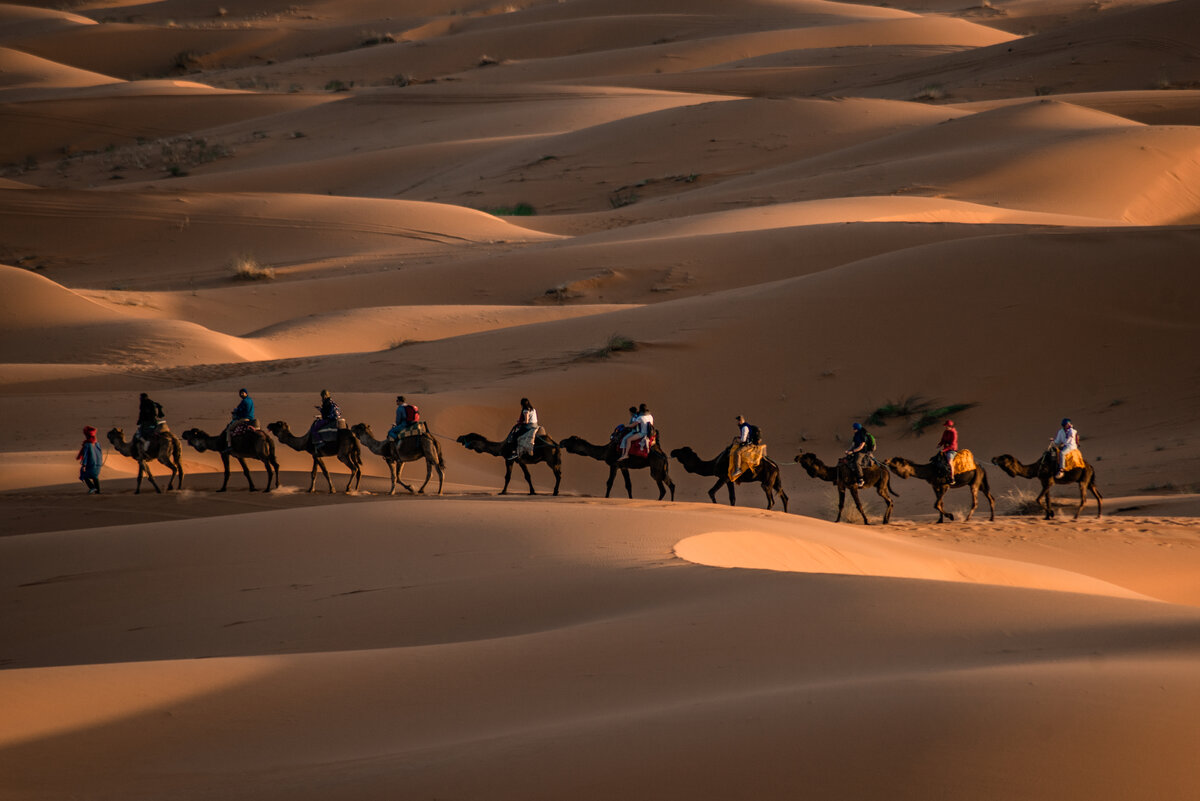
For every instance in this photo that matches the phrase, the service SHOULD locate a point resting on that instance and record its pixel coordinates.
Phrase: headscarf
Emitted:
(89, 438)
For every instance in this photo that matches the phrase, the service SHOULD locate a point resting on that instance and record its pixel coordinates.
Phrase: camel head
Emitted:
(196, 438)
(575, 445)
(116, 436)
(900, 466)
(1005, 462)
(684, 454)
(278, 428)
(362, 428)
(473, 442)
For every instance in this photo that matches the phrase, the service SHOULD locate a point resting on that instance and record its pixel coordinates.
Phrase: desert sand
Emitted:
(810, 213)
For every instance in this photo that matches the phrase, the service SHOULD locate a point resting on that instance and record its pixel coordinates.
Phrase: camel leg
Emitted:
(612, 477)
(557, 478)
(272, 464)
(629, 484)
(783, 497)
(143, 466)
(670, 484)
(1043, 500)
(225, 464)
(320, 463)
(245, 471)
(355, 473)
(528, 478)
(1096, 492)
(428, 475)
(399, 470)
(974, 501)
(887, 498)
(939, 492)
(858, 504)
(766, 488)
(507, 476)
(841, 502)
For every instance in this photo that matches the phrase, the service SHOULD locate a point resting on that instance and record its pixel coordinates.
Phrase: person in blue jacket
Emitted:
(242, 413)
(91, 459)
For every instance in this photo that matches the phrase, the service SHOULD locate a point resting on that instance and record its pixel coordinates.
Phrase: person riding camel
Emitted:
(150, 416)
(407, 416)
(521, 438)
(330, 415)
(641, 424)
(747, 450)
(242, 414)
(862, 445)
(1066, 440)
(948, 448)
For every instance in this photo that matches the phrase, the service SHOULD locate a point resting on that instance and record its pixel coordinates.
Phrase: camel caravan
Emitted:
(632, 445)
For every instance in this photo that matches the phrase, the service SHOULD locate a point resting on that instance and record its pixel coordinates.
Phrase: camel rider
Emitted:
(330, 416)
(150, 415)
(407, 416)
(948, 447)
(522, 435)
(242, 413)
(862, 445)
(747, 450)
(1066, 440)
(640, 426)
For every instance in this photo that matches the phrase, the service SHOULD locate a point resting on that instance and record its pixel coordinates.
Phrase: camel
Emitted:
(766, 474)
(396, 452)
(345, 448)
(928, 471)
(610, 454)
(545, 450)
(253, 444)
(874, 475)
(1045, 469)
(164, 446)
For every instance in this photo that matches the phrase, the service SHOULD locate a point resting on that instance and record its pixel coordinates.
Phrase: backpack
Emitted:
(754, 435)
(870, 439)
(411, 415)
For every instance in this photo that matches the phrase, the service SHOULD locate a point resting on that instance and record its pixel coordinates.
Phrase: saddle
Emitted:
(245, 427)
(643, 445)
(414, 430)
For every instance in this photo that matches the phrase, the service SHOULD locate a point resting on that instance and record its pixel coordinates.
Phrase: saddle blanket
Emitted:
(1073, 460)
(745, 457)
(415, 430)
(964, 460)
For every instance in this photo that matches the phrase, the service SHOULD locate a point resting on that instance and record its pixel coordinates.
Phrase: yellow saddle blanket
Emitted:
(1073, 460)
(964, 460)
(743, 457)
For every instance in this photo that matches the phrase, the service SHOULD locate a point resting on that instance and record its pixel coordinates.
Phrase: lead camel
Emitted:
(1045, 471)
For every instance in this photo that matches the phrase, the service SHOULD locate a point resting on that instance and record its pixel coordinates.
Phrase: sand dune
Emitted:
(806, 212)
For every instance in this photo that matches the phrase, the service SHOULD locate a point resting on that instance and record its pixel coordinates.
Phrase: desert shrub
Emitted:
(519, 210)
(247, 268)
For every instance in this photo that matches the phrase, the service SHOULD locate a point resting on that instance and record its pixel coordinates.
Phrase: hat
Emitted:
(1066, 421)
(89, 429)
(399, 399)
(324, 393)
(243, 389)
(948, 424)
(856, 426)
